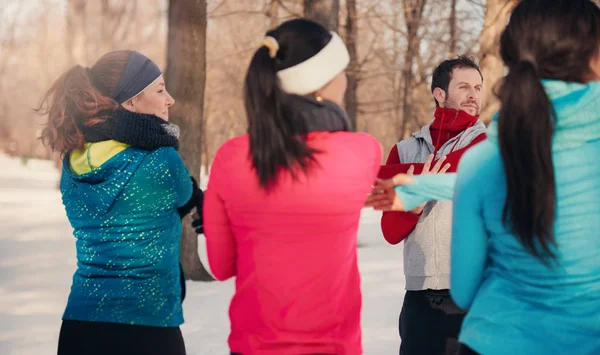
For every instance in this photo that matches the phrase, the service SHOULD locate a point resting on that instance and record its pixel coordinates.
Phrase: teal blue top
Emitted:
(427, 188)
(518, 305)
(128, 230)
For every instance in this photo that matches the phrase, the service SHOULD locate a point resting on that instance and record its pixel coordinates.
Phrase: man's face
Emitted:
(464, 91)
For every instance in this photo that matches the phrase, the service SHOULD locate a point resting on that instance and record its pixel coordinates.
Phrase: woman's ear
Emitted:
(440, 96)
(128, 105)
(595, 67)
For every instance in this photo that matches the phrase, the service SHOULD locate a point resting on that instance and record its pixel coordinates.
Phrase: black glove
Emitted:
(198, 224)
(193, 202)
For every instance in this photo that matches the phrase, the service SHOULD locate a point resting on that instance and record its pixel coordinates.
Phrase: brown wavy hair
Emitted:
(80, 97)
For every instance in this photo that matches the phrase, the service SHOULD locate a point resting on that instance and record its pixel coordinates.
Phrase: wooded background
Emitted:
(204, 48)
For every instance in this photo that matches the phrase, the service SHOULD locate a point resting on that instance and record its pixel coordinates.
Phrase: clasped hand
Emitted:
(383, 196)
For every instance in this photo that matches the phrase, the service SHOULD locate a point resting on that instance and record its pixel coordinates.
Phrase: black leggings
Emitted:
(429, 323)
(465, 350)
(182, 282)
(99, 338)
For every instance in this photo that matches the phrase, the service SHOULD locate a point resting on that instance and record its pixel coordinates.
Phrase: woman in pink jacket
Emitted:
(284, 200)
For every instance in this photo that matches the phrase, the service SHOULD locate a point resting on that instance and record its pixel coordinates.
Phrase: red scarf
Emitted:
(448, 123)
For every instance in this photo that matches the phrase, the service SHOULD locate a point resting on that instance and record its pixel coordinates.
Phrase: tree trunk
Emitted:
(273, 13)
(185, 78)
(492, 67)
(206, 152)
(75, 36)
(105, 26)
(413, 13)
(112, 17)
(325, 12)
(397, 76)
(353, 70)
(452, 26)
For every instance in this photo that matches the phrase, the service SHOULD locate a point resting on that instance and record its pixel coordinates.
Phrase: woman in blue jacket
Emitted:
(124, 188)
(526, 244)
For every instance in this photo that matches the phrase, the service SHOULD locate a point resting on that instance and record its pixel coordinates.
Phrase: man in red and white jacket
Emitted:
(430, 321)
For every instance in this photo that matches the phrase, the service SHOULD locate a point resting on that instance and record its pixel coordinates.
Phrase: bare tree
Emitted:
(392, 90)
(114, 17)
(452, 26)
(95, 28)
(492, 67)
(413, 13)
(325, 12)
(353, 68)
(7, 45)
(274, 13)
(75, 37)
(186, 78)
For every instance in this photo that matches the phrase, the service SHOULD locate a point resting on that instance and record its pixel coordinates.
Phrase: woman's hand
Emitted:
(383, 197)
(438, 168)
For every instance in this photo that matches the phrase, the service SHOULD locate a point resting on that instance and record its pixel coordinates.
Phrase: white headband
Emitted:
(315, 72)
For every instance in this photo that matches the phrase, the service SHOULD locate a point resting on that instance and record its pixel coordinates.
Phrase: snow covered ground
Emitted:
(37, 259)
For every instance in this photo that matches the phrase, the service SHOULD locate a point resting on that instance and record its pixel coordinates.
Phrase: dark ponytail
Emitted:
(275, 142)
(526, 148)
(80, 97)
(537, 45)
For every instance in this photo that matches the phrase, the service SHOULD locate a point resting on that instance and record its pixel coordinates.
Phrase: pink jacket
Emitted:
(293, 250)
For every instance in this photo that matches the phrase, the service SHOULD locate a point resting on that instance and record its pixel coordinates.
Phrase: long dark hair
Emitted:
(543, 40)
(80, 96)
(275, 142)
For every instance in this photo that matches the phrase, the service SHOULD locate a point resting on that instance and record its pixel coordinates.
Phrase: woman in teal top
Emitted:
(526, 243)
(125, 189)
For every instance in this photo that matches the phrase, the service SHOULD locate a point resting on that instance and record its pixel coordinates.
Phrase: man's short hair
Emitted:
(443, 73)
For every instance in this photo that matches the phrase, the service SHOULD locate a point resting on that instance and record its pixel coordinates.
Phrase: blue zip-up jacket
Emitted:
(125, 220)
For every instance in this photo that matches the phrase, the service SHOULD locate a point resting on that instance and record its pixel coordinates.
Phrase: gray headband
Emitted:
(137, 75)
